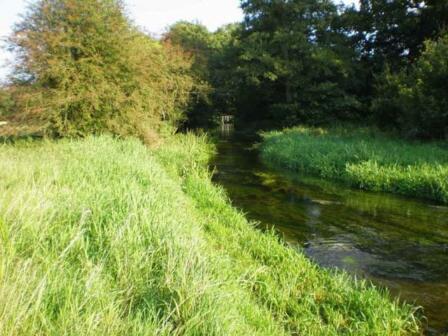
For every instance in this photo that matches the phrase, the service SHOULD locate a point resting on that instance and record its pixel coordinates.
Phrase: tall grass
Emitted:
(365, 158)
(105, 237)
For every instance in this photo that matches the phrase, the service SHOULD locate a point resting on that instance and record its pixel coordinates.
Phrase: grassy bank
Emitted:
(363, 158)
(106, 237)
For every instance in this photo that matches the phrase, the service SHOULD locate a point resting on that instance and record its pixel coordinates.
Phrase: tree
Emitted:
(224, 77)
(433, 20)
(213, 69)
(84, 68)
(417, 100)
(197, 41)
(289, 60)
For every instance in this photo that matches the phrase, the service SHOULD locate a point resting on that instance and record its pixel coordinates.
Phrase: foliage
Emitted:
(386, 31)
(90, 245)
(416, 100)
(365, 159)
(433, 20)
(224, 64)
(291, 64)
(85, 69)
(6, 102)
(313, 62)
(212, 69)
(388, 36)
(197, 41)
(316, 63)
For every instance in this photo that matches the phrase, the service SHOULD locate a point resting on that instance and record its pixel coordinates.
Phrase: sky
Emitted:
(153, 16)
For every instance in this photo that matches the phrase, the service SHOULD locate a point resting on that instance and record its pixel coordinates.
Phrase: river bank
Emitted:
(362, 158)
(105, 236)
(397, 242)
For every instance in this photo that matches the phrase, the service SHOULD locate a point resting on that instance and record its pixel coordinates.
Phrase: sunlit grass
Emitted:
(364, 158)
(105, 237)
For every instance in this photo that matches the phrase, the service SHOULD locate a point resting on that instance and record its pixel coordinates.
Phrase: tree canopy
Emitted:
(84, 68)
(312, 61)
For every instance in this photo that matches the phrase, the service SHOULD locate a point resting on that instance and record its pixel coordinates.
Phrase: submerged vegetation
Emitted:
(364, 158)
(90, 245)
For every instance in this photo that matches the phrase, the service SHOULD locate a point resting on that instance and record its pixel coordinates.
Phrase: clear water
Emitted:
(396, 242)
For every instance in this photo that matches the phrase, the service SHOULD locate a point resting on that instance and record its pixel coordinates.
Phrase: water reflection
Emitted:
(394, 241)
(226, 129)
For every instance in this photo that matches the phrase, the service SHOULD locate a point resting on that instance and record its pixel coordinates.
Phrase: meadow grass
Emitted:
(105, 237)
(364, 158)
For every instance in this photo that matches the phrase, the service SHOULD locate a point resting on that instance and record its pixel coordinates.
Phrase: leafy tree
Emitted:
(213, 69)
(392, 33)
(417, 100)
(433, 20)
(83, 68)
(312, 61)
(289, 60)
(197, 41)
(389, 36)
(224, 77)
(389, 31)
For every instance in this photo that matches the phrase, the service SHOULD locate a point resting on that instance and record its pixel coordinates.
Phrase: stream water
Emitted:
(396, 242)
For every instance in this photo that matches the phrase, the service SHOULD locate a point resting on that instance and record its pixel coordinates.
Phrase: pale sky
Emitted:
(152, 15)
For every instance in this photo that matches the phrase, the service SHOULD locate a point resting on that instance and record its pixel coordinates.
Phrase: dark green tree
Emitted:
(291, 63)
(213, 56)
(198, 42)
(416, 100)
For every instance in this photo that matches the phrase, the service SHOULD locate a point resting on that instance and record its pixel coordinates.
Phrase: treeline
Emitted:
(289, 62)
(82, 67)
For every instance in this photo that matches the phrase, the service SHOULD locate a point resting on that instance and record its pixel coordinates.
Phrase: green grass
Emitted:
(104, 237)
(364, 158)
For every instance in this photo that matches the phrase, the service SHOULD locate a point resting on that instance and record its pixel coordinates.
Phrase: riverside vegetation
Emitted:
(110, 224)
(364, 158)
(103, 235)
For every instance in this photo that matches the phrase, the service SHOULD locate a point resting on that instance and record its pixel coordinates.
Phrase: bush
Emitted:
(85, 69)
